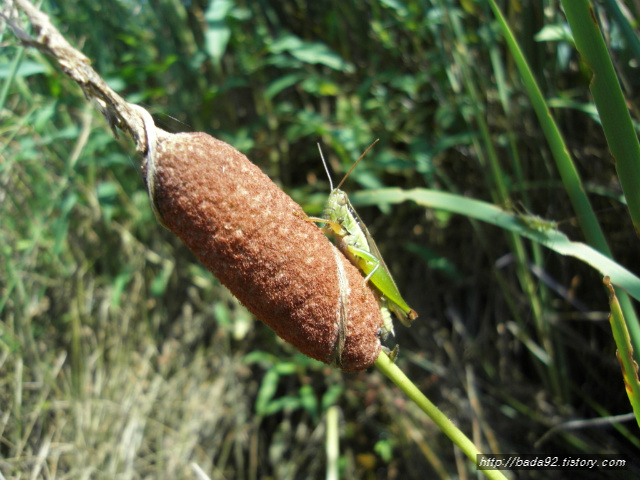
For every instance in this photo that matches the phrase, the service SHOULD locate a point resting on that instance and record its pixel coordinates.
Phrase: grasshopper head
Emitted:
(333, 209)
(334, 213)
(340, 197)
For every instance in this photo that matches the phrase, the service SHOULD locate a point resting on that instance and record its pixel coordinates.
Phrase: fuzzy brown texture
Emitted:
(254, 238)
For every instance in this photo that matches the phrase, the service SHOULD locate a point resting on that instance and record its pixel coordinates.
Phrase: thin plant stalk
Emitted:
(397, 376)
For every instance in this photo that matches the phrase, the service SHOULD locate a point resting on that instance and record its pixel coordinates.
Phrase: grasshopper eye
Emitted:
(341, 198)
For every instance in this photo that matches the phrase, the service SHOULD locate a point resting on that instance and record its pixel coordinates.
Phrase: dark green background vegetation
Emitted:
(120, 356)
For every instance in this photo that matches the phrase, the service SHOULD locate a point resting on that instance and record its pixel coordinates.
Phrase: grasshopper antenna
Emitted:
(357, 161)
(326, 169)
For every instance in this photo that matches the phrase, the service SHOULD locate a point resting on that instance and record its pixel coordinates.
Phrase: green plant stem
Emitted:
(397, 376)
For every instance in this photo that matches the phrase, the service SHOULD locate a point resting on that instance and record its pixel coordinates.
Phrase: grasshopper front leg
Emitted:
(330, 227)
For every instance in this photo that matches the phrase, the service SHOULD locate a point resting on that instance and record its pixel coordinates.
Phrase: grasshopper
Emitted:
(354, 240)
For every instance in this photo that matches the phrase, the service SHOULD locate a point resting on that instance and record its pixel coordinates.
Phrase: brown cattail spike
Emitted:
(254, 238)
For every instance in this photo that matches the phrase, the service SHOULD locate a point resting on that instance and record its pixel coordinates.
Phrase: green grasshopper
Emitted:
(354, 240)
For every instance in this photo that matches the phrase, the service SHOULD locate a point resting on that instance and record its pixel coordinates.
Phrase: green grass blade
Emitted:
(616, 122)
(564, 163)
(627, 154)
(605, 88)
(625, 352)
(15, 63)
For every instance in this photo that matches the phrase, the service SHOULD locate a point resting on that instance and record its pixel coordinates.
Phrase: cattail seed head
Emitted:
(254, 238)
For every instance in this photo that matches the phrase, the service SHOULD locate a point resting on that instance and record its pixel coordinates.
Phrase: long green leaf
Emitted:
(533, 228)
